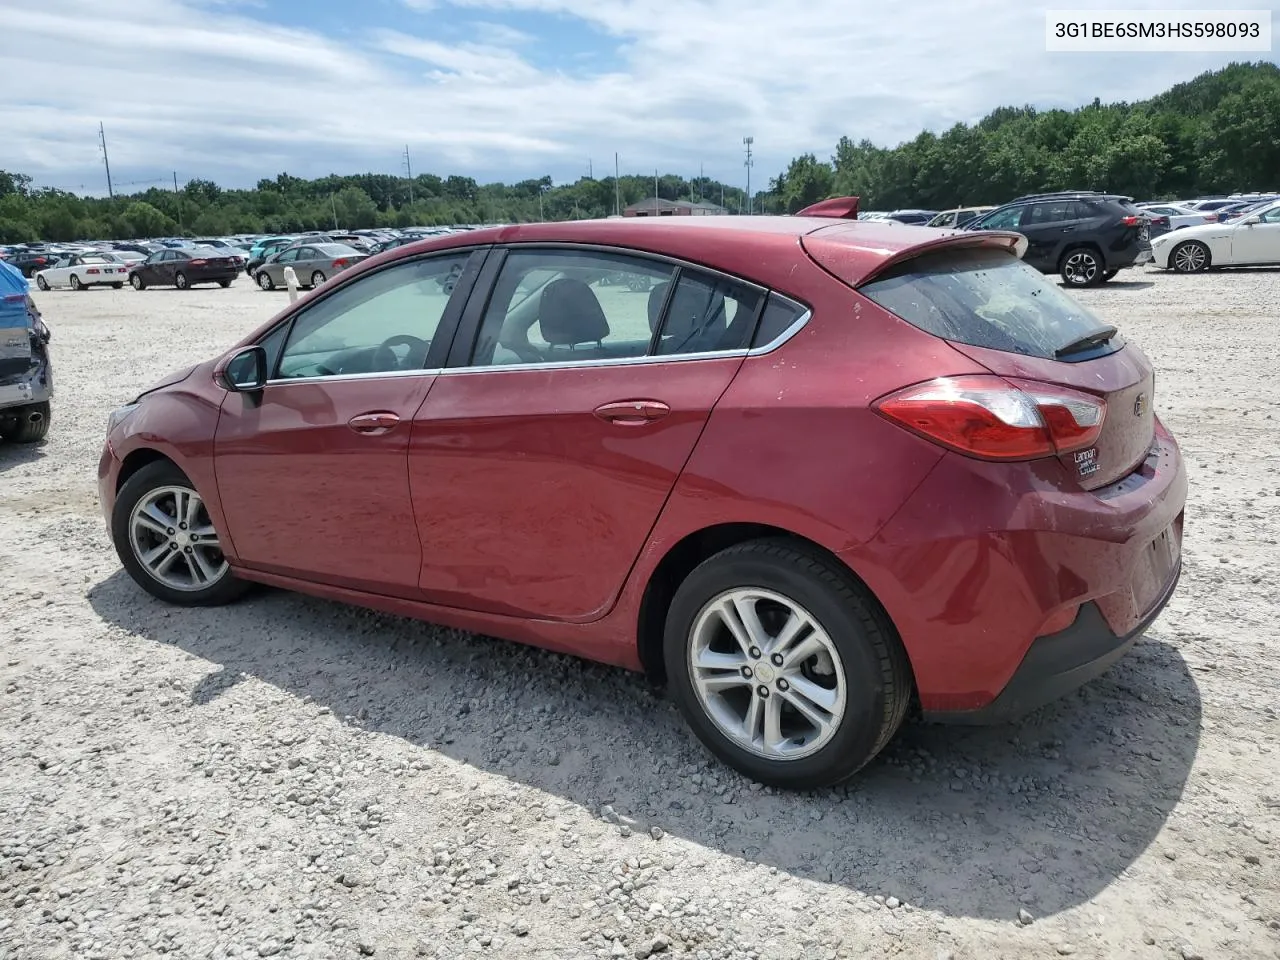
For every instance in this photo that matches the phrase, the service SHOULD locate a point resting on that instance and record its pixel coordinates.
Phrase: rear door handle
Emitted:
(632, 412)
(373, 423)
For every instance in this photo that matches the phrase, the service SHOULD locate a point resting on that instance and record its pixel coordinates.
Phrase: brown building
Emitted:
(656, 207)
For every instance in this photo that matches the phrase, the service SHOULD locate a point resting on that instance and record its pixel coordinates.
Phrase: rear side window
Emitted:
(984, 298)
(703, 314)
(778, 315)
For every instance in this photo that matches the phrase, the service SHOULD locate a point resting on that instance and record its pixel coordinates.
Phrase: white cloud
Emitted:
(211, 90)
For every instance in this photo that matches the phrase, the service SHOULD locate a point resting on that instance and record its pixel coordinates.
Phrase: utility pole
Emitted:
(617, 189)
(179, 196)
(748, 141)
(590, 172)
(655, 189)
(699, 183)
(102, 137)
(333, 200)
(409, 170)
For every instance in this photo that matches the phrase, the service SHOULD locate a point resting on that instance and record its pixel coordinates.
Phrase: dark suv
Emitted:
(1086, 237)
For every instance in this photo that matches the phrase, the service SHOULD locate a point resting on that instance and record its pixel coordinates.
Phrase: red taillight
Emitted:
(1212, 217)
(992, 418)
(340, 262)
(93, 270)
(1159, 221)
(39, 260)
(1131, 221)
(199, 263)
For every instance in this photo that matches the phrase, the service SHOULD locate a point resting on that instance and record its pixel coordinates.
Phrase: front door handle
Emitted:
(632, 412)
(372, 424)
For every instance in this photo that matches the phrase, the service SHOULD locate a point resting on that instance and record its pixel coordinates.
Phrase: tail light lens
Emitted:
(93, 270)
(992, 418)
(1212, 217)
(199, 263)
(340, 262)
(1131, 221)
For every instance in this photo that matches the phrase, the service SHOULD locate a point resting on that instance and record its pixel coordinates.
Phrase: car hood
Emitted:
(1208, 231)
(168, 381)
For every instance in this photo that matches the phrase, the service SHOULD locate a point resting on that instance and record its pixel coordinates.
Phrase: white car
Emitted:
(1178, 215)
(1250, 241)
(84, 270)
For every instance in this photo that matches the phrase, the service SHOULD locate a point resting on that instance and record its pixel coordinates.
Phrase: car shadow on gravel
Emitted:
(972, 822)
(18, 454)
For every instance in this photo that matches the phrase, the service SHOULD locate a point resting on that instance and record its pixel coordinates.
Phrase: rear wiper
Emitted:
(1082, 343)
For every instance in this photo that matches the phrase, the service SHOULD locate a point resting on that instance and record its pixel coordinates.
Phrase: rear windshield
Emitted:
(985, 298)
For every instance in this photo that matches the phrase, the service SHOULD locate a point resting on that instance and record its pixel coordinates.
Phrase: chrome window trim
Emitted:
(796, 326)
(598, 362)
(376, 375)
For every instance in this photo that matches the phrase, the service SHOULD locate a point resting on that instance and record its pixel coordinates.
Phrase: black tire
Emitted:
(137, 282)
(1190, 256)
(1081, 267)
(42, 283)
(317, 278)
(26, 424)
(224, 284)
(117, 286)
(75, 283)
(163, 473)
(180, 280)
(877, 675)
(1109, 275)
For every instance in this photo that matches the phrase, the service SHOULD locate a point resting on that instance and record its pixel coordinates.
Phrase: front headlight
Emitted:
(120, 415)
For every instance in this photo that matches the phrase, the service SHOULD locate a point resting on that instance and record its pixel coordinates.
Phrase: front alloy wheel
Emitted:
(166, 539)
(1190, 257)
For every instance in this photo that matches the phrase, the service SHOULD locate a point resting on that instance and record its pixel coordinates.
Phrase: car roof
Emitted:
(759, 248)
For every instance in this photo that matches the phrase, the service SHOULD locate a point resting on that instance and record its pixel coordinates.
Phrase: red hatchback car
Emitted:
(808, 470)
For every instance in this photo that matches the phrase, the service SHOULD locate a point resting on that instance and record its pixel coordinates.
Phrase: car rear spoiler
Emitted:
(838, 208)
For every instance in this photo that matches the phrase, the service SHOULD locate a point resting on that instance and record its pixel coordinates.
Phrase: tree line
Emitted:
(1218, 133)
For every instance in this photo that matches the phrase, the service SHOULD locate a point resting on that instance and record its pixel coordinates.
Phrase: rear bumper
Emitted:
(984, 561)
(1059, 664)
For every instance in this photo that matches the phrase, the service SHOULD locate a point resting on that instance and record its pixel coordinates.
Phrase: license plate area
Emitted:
(14, 393)
(1159, 561)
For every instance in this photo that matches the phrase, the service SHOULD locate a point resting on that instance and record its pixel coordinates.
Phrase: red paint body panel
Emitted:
(531, 505)
(502, 504)
(305, 495)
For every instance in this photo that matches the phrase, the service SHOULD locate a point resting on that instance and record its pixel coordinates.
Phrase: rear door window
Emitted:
(985, 298)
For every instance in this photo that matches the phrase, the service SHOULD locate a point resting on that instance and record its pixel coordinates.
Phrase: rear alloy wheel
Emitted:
(26, 424)
(75, 283)
(317, 278)
(137, 282)
(1191, 256)
(784, 666)
(1081, 267)
(167, 542)
(180, 281)
(265, 281)
(42, 283)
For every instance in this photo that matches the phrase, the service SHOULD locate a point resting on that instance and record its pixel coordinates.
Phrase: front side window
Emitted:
(1272, 215)
(984, 298)
(1002, 220)
(381, 323)
(561, 305)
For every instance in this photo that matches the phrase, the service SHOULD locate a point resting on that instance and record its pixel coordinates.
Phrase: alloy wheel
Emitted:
(767, 674)
(1189, 258)
(174, 540)
(1080, 268)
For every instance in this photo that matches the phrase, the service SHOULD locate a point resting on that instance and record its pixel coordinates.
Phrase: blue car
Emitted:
(26, 375)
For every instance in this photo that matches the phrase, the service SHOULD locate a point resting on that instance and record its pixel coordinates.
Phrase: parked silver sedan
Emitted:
(313, 263)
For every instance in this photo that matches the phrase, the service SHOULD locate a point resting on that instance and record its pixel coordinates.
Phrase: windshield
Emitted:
(986, 298)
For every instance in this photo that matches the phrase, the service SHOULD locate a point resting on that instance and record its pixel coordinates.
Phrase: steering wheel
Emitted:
(385, 358)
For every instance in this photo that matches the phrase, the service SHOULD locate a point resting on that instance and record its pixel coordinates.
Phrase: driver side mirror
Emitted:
(246, 372)
(1250, 221)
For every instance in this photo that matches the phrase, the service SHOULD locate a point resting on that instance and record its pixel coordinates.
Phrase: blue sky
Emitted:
(237, 90)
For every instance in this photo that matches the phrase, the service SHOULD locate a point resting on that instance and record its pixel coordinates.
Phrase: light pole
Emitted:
(748, 141)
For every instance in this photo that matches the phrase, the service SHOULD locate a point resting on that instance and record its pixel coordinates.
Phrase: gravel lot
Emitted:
(292, 777)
